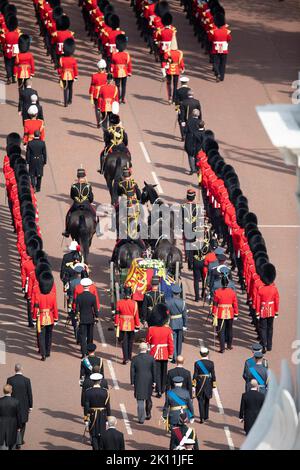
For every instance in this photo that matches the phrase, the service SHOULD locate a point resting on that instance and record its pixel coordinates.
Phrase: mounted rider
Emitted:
(128, 187)
(82, 195)
(115, 139)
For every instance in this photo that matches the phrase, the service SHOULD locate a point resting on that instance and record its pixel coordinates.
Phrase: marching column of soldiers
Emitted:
(225, 205)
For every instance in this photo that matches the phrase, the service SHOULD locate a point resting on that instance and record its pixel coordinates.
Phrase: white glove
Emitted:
(192, 420)
(184, 328)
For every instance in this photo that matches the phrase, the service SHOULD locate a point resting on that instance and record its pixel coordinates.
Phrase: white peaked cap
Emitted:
(101, 64)
(184, 79)
(96, 376)
(86, 282)
(33, 110)
(73, 245)
(203, 350)
(115, 107)
(34, 98)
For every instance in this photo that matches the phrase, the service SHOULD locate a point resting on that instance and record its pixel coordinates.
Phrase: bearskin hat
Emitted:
(258, 254)
(29, 235)
(11, 22)
(228, 169)
(28, 219)
(249, 226)
(121, 42)
(24, 43)
(167, 19)
(10, 9)
(25, 196)
(42, 267)
(253, 232)
(24, 180)
(213, 160)
(102, 4)
(38, 255)
(232, 181)
(57, 12)
(259, 261)
(208, 134)
(241, 205)
(109, 9)
(256, 238)
(242, 199)
(46, 282)
(219, 167)
(211, 153)
(234, 193)
(69, 47)
(159, 315)
(29, 225)
(114, 119)
(28, 213)
(13, 138)
(219, 20)
(239, 216)
(3, 4)
(63, 23)
(161, 8)
(13, 149)
(31, 246)
(258, 247)
(114, 21)
(251, 218)
(210, 144)
(268, 273)
(54, 3)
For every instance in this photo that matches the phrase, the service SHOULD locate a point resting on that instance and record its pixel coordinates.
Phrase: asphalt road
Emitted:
(262, 65)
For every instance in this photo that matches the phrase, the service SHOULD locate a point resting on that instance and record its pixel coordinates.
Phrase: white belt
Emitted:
(221, 46)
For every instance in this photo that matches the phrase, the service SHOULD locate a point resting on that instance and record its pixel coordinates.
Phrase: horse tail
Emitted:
(83, 236)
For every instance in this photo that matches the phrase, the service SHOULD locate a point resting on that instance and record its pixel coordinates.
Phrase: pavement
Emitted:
(262, 65)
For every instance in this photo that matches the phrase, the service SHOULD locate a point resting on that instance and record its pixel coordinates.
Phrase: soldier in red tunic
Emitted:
(110, 45)
(267, 305)
(45, 313)
(108, 95)
(33, 124)
(166, 37)
(24, 62)
(172, 67)
(98, 79)
(225, 310)
(121, 66)
(10, 46)
(219, 37)
(59, 37)
(68, 70)
(160, 339)
(127, 321)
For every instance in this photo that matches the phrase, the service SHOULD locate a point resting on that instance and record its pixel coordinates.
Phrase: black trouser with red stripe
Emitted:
(127, 338)
(172, 95)
(68, 91)
(219, 65)
(121, 84)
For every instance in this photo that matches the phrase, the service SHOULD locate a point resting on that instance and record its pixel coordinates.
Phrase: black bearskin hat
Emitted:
(24, 43)
(259, 254)
(63, 23)
(161, 8)
(32, 246)
(253, 232)
(42, 266)
(240, 215)
(167, 19)
(12, 23)
(228, 169)
(13, 138)
(121, 42)
(258, 247)
(40, 254)
(255, 240)
(114, 21)
(69, 47)
(242, 199)
(159, 315)
(250, 226)
(46, 282)
(234, 193)
(210, 144)
(268, 273)
(54, 3)
(211, 153)
(251, 218)
(13, 149)
(10, 9)
(219, 20)
(28, 213)
(29, 225)
(219, 167)
(260, 260)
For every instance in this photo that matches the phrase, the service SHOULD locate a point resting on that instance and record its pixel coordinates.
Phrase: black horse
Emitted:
(114, 164)
(82, 227)
(126, 251)
(161, 230)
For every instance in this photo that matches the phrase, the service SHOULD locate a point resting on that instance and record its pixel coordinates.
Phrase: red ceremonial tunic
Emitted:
(225, 305)
(127, 315)
(160, 339)
(10, 43)
(220, 37)
(173, 62)
(267, 304)
(45, 308)
(121, 64)
(108, 94)
(24, 65)
(98, 79)
(32, 125)
(67, 69)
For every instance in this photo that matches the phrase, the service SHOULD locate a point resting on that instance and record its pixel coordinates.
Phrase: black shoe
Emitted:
(30, 325)
(141, 422)
(201, 421)
(222, 351)
(269, 349)
(229, 347)
(148, 417)
(264, 350)
(158, 395)
(65, 234)
(48, 355)
(18, 447)
(197, 299)
(191, 172)
(14, 80)
(43, 358)
(124, 362)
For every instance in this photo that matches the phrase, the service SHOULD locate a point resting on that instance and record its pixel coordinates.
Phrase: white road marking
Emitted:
(126, 420)
(279, 226)
(101, 334)
(145, 152)
(221, 411)
(113, 375)
(157, 182)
